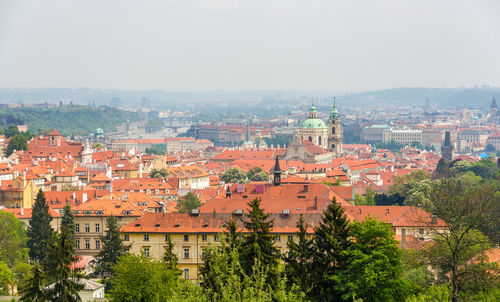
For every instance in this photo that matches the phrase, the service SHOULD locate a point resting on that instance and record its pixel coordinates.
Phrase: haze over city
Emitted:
(249, 151)
(249, 45)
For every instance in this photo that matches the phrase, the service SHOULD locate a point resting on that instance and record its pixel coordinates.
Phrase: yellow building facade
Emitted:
(192, 234)
(20, 193)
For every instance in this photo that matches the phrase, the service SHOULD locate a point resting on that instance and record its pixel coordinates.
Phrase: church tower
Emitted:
(335, 133)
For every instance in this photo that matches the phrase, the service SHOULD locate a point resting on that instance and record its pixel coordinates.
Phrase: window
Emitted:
(87, 244)
(333, 146)
(186, 237)
(186, 253)
(203, 237)
(216, 237)
(167, 237)
(333, 130)
(77, 228)
(146, 237)
(98, 244)
(277, 238)
(310, 139)
(290, 238)
(87, 228)
(77, 244)
(146, 252)
(421, 230)
(186, 273)
(97, 228)
(319, 140)
(125, 237)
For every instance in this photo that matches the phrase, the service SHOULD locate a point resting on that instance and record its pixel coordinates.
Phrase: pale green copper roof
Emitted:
(335, 113)
(313, 123)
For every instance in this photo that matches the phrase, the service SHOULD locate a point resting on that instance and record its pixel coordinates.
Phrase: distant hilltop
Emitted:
(478, 97)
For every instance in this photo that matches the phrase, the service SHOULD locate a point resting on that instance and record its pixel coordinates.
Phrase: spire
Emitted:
(313, 113)
(335, 113)
(247, 135)
(494, 103)
(447, 139)
(277, 164)
(277, 172)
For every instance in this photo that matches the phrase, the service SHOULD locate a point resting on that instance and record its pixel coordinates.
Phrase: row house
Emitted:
(192, 233)
(18, 193)
(190, 177)
(90, 221)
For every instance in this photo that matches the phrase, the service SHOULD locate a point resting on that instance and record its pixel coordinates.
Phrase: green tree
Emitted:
(223, 279)
(257, 174)
(258, 244)
(64, 282)
(188, 203)
(139, 278)
(11, 131)
(16, 143)
(331, 237)
(6, 279)
(463, 209)
(40, 232)
(34, 290)
(372, 269)
(299, 258)
(417, 145)
(12, 240)
(159, 173)
(170, 257)
(234, 175)
(112, 248)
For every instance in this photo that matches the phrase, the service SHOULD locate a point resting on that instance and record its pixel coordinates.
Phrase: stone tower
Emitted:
(335, 132)
(447, 147)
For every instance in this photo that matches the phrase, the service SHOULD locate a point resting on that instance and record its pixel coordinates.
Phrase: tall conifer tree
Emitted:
(258, 245)
(299, 258)
(40, 233)
(65, 285)
(331, 237)
(112, 247)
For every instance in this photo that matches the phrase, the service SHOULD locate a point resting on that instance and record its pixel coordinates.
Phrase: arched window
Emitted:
(310, 139)
(319, 142)
(333, 130)
(333, 146)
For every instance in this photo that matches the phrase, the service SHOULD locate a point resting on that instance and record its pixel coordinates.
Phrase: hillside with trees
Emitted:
(71, 119)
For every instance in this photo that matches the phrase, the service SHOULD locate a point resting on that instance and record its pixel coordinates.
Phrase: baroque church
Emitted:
(315, 142)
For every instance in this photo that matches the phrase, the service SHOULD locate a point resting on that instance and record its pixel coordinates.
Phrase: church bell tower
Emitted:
(335, 132)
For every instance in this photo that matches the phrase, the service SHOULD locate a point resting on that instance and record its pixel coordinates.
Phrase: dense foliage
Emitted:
(188, 203)
(72, 119)
(112, 249)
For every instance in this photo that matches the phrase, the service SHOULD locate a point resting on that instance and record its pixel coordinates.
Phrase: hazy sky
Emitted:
(188, 45)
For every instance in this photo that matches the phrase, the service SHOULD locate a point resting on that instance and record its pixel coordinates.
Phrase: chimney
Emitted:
(353, 195)
(434, 219)
(22, 211)
(315, 202)
(387, 211)
(140, 170)
(74, 196)
(84, 197)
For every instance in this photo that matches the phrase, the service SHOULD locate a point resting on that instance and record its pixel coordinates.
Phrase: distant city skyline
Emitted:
(249, 45)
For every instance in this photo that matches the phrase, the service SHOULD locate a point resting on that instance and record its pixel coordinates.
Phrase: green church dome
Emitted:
(313, 123)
